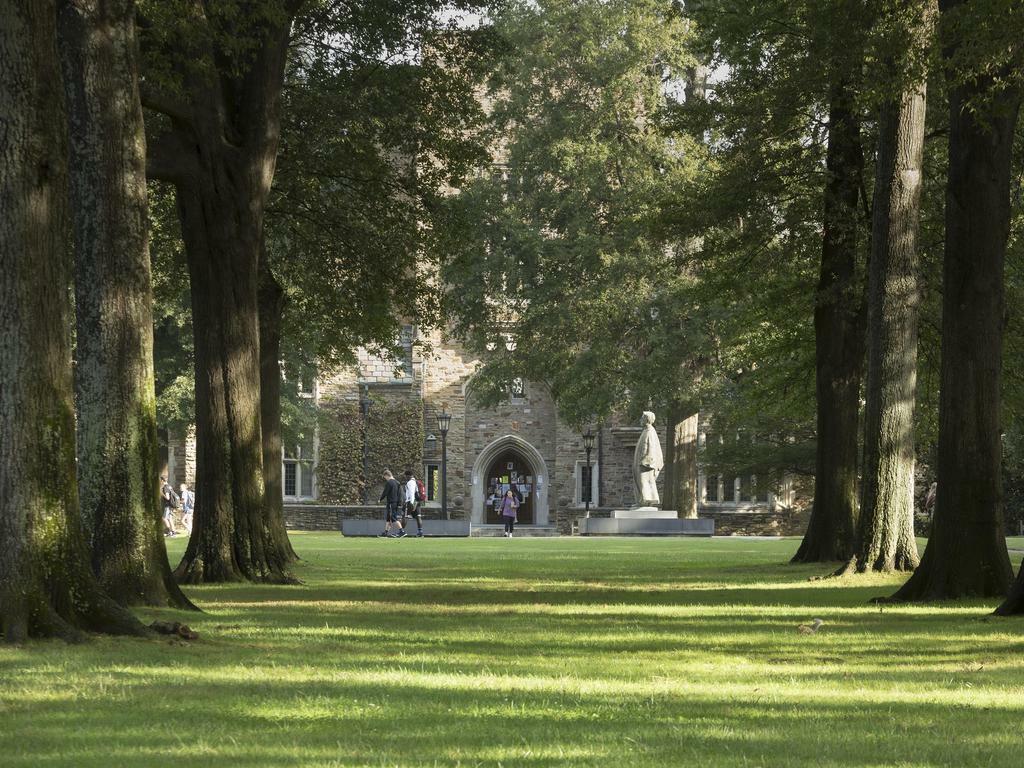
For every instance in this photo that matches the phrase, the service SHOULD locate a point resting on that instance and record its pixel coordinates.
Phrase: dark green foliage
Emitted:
(395, 430)
(340, 464)
(370, 142)
(395, 440)
(555, 243)
(173, 348)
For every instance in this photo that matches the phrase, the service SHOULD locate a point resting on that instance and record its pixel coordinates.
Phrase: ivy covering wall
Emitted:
(340, 467)
(396, 440)
(395, 432)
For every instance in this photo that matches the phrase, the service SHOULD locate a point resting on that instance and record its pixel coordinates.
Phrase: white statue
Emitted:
(647, 464)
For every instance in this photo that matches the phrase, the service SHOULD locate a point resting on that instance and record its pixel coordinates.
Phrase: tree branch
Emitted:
(161, 102)
(167, 159)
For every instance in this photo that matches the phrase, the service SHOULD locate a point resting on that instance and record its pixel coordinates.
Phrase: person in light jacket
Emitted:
(509, 507)
(188, 506)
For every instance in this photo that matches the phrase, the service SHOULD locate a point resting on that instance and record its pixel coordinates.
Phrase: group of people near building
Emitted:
(402, 501)
(171, 502)
(405, 500)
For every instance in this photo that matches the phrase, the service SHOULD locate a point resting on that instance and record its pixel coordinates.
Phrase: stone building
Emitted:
(520, 442)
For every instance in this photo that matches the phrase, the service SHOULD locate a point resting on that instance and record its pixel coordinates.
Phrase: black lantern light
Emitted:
(444, 421)
(588, 446)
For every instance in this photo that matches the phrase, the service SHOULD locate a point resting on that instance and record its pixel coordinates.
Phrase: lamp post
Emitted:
(588, 446)
(444, 420)
(364, 407)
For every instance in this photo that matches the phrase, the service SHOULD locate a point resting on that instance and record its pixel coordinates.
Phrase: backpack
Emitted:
(421, 490)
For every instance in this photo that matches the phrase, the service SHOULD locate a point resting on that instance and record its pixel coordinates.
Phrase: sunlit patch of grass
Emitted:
(603, 652)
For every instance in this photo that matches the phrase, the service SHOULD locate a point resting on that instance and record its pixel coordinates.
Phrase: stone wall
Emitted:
(531, 418)
(325, 517)
(445, 369)
(328, 517)
(181, 458)
(782, 522)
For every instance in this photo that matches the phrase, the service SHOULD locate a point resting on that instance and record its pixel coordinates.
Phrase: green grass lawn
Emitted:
(605, 652)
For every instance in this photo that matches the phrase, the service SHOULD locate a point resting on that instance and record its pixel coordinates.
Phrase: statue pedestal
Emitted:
(645, 526)
(645, 513)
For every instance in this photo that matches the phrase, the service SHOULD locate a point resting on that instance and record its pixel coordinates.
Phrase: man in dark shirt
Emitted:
(392, 497)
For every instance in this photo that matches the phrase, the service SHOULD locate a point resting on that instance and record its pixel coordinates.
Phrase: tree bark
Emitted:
(46, 585)
(272, 303)
(681, 461)
(886, 528)
(231, 539)
(839, 339)
(209, 555)
(117, 439)
(227, 151)
(966, 555)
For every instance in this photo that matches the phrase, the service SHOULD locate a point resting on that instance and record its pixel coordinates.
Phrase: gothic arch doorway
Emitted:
(509, 471)
(510, 462)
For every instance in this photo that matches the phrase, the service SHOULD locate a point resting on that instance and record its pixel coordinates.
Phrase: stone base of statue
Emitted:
(645, 513)
(645, 522)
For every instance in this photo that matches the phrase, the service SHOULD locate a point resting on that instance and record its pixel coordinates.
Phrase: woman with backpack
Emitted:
(509, 507)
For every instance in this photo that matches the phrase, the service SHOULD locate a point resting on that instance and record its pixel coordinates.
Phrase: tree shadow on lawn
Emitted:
(281, 722)
(568, 592)
(929, 648)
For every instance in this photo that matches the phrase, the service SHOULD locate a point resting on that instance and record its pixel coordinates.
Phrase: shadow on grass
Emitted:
(531, 653)
(280, 722)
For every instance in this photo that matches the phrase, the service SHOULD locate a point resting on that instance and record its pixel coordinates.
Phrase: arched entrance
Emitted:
(510, 462)
(509, 471)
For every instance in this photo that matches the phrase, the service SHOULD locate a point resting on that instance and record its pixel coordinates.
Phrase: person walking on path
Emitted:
(392, 497)
(170, 501)
(414, 501)
(188, 505)
(509, 507)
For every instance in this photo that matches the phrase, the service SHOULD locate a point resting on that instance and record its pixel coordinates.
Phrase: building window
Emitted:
(298, 471)
(433, 482)
(712, 489)
(729, 488)
(517, 388)
(746, 488)
(307, 382)
(586, 484)
(759, 490)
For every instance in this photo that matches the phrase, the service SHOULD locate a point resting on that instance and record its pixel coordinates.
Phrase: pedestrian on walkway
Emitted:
(188, 505)
(392, 498)
(169, 500)
(509, 507)
(414, 501)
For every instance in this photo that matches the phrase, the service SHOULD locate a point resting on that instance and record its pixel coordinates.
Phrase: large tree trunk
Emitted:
(229, 437)
(220, 154)
(46, 585)
(680, 482)
(117, 441)
(210, 553)
(966, 554)
(839, 339)
(272, 302)
(886, 527)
